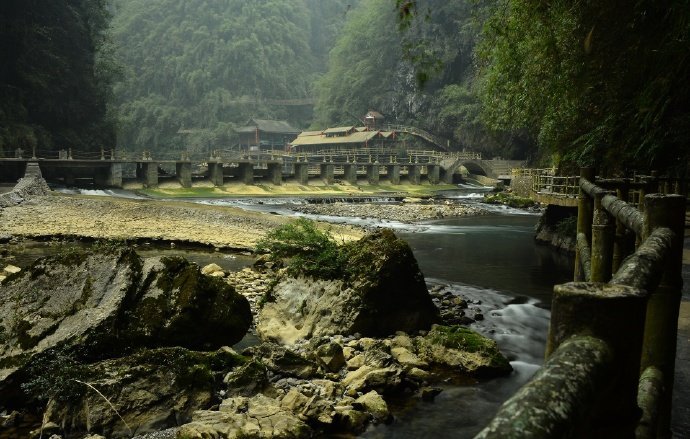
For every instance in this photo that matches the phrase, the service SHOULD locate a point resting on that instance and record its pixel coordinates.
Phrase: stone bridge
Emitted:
(497, 169)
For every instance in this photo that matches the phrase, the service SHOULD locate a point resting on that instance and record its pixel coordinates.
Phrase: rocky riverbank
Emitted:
(410, 211)
(70, 216)
(142, 334)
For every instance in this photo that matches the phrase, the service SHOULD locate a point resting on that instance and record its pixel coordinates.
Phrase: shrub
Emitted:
(310, 251)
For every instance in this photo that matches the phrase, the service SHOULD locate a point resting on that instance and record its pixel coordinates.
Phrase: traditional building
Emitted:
(374, 120)
(342, 138)
(266, 134)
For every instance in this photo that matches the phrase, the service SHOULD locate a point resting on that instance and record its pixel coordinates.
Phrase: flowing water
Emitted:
(491, 260)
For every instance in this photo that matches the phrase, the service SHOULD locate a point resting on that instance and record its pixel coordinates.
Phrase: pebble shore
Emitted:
(404, 212)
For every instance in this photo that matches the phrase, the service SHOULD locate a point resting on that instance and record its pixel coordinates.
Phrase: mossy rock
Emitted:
(510, 200)
(146, 387)
(458, 346)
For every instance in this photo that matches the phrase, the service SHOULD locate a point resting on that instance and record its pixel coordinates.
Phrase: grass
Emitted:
(291, 189)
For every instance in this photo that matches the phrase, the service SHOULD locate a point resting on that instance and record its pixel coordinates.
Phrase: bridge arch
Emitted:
(475, 167)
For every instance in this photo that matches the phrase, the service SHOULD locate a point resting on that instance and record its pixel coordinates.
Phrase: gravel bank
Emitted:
(403, 212)
(118, 218)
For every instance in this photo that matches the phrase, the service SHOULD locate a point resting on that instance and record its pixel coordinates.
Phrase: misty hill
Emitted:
(192, 71)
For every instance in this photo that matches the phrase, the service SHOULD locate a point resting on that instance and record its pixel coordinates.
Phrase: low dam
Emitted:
(368, 166)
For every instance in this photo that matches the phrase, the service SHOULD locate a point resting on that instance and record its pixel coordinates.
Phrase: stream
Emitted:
(491, 260)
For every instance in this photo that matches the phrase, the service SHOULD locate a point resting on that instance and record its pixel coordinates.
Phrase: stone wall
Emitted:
(521, 185)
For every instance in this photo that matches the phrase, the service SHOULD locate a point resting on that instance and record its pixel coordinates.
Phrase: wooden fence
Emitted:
(612, 337)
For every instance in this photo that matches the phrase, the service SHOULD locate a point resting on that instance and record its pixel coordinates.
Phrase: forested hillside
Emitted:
(195, 70)
(421, 75)
(596, 82)
(53, 87)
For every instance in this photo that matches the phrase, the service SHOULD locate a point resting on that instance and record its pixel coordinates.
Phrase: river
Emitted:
(491, 260)
(494, 261)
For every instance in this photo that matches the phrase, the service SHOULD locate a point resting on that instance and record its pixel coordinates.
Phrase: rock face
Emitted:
(550, 230)
(98, 305)
(384, 292)
(153, 389)
(26, 187)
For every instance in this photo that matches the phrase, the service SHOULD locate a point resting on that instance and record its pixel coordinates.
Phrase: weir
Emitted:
(373, 164)
(610, 353)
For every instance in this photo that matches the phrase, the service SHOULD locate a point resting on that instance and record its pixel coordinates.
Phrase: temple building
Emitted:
(266, 134)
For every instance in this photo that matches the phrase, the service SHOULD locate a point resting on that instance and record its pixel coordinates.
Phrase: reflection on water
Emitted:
(492, 251)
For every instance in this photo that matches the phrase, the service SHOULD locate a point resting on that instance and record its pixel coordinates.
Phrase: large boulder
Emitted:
(94, 306)
(151, 390)
(384, 292)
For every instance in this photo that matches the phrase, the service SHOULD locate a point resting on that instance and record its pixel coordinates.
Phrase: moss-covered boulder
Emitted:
(459, 349)
(151, 390)
(508, 199)
(100, 305)
(383, 291)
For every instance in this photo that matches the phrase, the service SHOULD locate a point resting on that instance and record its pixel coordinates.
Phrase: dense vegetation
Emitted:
(422, 75)
(196, 70)
(596, 82)
(53, 86)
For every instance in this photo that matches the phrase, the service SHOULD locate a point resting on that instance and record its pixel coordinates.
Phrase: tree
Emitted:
(195, 70)
(53, 86)
(596, 82)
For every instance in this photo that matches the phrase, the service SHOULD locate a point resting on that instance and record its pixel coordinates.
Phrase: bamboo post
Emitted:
(614, 314)
(584, 218)
(661, 327)
(620, 248)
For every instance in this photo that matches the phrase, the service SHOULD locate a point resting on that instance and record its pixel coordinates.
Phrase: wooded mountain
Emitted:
(596, 82)
(421, 75)
(195, 70)
(53, 87)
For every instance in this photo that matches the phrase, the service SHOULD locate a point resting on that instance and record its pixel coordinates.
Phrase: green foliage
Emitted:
(53, 85)
(421, 76)
(365, 257)
(508, 199)
(311, 252)
(596, 82)
(193, 71)
(461, 338)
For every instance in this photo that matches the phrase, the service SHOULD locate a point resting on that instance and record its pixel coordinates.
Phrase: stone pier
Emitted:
(183, 170)
(433, 173)
(373, 174)
(328, 173)
(246, 173)
(302, 173)
(110, 176)
(215, 173)
(350, 171)
(393, 174)
(275, 173)
(413, 174)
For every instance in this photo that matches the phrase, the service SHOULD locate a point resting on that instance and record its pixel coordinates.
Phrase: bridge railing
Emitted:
(612, 336)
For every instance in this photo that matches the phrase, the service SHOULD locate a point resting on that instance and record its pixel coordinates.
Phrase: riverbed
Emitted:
(491, 259)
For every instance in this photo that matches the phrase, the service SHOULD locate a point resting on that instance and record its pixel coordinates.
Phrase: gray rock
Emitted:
(384, 292)
(256, 417)
(91, 305)
(330, 356)
(152, 390)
